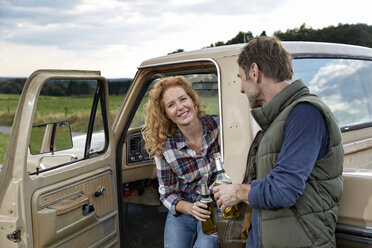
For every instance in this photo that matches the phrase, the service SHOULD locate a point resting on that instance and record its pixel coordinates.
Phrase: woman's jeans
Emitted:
(185, 231)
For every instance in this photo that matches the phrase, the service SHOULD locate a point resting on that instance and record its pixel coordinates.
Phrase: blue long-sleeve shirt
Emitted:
(305, 141)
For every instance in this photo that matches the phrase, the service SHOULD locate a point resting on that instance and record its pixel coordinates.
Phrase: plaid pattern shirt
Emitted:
(181, 169)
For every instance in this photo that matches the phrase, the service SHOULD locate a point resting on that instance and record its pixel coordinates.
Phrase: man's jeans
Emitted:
(185, 231)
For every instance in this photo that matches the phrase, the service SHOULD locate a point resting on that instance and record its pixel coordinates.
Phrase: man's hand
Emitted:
(231, 194)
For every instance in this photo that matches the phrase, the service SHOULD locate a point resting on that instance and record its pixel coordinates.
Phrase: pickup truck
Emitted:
(99, 188)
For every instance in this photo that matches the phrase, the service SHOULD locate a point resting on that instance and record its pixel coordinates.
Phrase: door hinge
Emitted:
(15, 236)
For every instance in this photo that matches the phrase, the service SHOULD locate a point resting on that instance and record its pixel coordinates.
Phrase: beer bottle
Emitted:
(208, 226)
(223, 178)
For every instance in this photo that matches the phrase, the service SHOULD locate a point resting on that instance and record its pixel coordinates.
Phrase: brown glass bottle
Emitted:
(223, 178)
(208, 226)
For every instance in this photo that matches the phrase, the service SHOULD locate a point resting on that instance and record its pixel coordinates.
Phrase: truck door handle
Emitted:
(99, 192)
(70, 203)
(87, 209)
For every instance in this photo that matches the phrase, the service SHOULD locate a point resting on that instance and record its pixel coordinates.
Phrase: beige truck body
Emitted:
(51, 206)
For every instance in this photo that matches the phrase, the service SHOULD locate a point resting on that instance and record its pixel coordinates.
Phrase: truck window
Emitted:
(205, 84)
(118, 89)
(70, 124)
(344, 84)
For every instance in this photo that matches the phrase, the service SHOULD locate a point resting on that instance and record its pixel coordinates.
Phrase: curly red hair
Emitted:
(158, 127)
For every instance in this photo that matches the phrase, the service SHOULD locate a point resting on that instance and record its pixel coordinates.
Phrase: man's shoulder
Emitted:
(304, 112)
(306, 116)
(305, 108)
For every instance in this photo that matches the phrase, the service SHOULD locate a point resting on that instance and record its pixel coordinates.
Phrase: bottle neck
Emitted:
(219, 166)
(222, 178)
(205, 195)
(206, 199)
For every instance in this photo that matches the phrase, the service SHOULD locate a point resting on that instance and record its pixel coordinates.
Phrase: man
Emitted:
(297, 184)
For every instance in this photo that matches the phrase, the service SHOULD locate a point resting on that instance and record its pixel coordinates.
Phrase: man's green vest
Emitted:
(311, 222)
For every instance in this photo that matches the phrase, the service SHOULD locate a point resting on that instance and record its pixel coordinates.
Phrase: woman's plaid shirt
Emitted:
(181, 169)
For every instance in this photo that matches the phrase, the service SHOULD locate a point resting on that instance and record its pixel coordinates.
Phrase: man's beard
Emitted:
(256, 100)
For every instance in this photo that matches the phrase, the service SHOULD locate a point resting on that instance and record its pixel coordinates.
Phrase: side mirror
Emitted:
(50, 137)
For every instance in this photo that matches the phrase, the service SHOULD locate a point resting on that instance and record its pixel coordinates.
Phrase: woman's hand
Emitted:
(197, 209)
(200, 211)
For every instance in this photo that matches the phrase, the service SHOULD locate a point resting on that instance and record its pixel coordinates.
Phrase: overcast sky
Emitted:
(114, 36)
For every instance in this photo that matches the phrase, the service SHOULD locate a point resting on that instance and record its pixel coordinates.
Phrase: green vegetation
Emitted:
(12, 85)
(354, 34)
(8, 105)
(62, 141)
(71, 110)
(177, 51)
(66, 87)
(211, 105)
(4, 138)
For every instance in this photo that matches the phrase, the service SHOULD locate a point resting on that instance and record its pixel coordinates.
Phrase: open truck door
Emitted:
(58, 182)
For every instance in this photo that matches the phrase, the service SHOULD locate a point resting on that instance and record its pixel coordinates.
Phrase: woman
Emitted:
(182, 139)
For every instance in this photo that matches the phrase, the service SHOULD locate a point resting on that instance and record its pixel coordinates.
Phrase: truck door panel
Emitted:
(63, 213)
(137, 164)
(64, 196)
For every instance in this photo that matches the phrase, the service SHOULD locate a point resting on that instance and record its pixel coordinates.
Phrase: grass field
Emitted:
(4, 138)
(72, 106)
(76, 109)
(8, 102)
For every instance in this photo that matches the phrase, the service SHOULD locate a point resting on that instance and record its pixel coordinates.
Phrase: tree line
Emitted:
(353, 34)
(66, 87)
